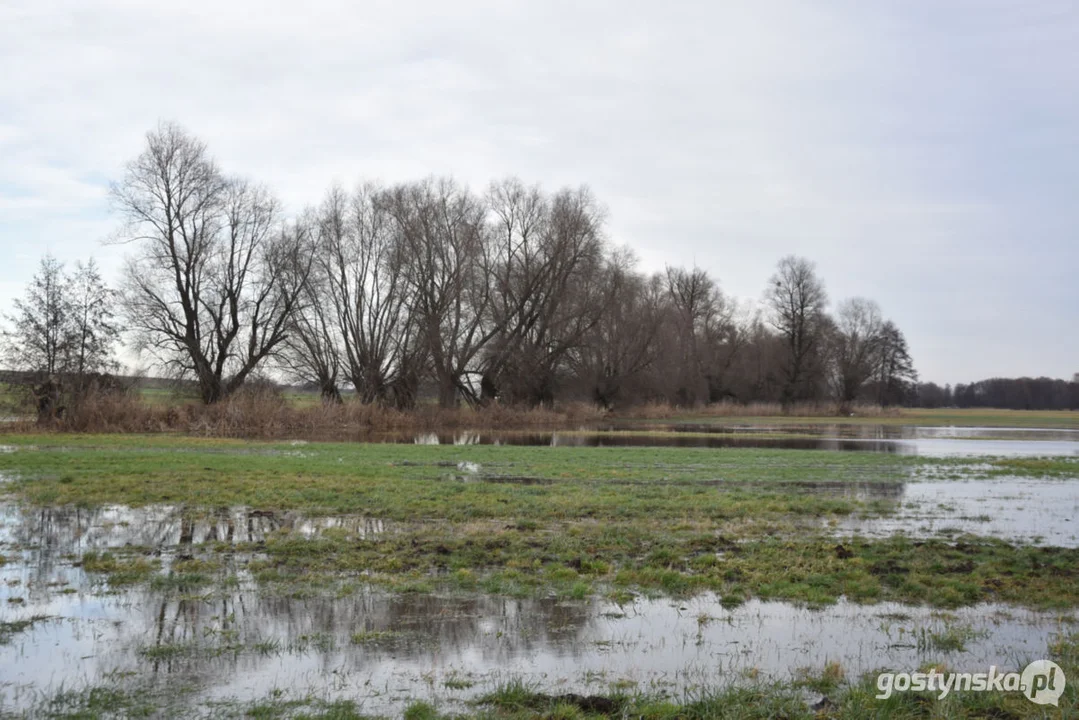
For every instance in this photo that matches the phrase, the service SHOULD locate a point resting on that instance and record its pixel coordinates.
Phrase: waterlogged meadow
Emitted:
(644, 571)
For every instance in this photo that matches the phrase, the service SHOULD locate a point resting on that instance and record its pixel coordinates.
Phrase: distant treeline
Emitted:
(1010, 393)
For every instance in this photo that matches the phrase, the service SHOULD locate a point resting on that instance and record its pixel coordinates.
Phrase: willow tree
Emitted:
(549, 290)
(214, 279)
(449, 259)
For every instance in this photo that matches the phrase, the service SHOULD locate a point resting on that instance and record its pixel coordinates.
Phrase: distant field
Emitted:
(970, 417)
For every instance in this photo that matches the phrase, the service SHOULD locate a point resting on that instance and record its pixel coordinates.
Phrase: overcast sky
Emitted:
(924, 153)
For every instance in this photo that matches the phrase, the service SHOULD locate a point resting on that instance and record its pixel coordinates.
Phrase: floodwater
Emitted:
(386, 650)
(1044, 512)
(242, 643)
(904, 440)
(52, 532)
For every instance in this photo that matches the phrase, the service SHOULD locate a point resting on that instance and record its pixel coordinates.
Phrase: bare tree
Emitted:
(450, 259)
(895, 373)
(622, 347)
(311, 351)
(691, 294)
(705, 336)
(547, 295)
(757, 365)
(855, 347)
(363, 259)
(727, 334)
(797, 300)
(215, 280)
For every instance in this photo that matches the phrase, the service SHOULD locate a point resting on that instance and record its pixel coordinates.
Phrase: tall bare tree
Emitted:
(705, 338)
(622, 347)
(895, 373)
(548, 292)
(797, 301)
(214, 281)
(855, 347)
(449, 255)
(364, 261)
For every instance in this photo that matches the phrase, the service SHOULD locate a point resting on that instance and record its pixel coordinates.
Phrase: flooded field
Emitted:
(241, 644)
(918, 441)
(393, 649)
(213, 578)
(1014, 509)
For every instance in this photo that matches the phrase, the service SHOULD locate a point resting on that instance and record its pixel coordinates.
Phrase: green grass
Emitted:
(949, 639)
(12, 628)
(410, 482)
(121, 570)
(167, 397)
(577, 561)
(373, 637)
(611, 522)
(572, 522)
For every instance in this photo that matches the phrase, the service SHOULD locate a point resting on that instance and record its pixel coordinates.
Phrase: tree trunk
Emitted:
(447, 392)
(330, 393)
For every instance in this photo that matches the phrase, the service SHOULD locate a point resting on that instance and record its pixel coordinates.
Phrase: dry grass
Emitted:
(268, 414)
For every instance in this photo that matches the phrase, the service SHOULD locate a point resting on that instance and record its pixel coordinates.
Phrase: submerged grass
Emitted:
(121, 570)
(813, 693)
(620, 560)
(830, 695)
(11, 628)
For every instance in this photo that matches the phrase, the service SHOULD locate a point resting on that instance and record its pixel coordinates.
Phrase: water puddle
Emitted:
(58, 531)
(1013, 509)
(61, 628)
(389, 649)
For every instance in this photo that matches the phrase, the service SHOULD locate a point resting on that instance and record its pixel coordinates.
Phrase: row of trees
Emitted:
(512, 295)
(1012, 393)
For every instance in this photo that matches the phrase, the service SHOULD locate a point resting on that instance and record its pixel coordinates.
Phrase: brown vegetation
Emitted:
(262, 413)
